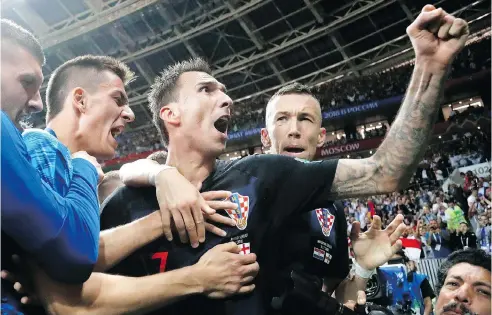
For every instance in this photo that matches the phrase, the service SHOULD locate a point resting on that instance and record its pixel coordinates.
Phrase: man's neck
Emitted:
(65, 130)
(191, 164)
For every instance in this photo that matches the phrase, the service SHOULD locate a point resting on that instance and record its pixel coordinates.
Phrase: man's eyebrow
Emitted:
(32, 76)
(221, 86)
(281, 113)
(481, 283)
(457, 278)
(307, 113)
(124, 98)
(476, 283)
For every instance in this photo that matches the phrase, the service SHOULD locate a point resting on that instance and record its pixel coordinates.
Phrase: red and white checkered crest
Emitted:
(239, 215)
(326, 220)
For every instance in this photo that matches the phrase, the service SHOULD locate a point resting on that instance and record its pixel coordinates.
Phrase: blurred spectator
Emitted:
(483, 233)
(427, 216)
(454, 216)
(438, 244)
(463, 238)
(438, 204)
(138, 141)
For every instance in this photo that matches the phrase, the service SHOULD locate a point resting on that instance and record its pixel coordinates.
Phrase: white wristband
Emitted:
(159, 168)
(361, 272)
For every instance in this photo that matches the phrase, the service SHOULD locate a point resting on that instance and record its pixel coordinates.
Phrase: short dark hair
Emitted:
(63, 75)
(295, 88)
(158, 156)
(163, 90)
(111, 175)
(22, 37)
(472, 256)
(292, 88)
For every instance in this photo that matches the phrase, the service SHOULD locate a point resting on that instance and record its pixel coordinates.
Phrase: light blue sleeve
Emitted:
(62, 234)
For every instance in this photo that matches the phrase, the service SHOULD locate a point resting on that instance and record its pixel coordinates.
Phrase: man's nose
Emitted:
(463, 294)
(294, 129)
(226, 101)
(128, 114)
(35, 104)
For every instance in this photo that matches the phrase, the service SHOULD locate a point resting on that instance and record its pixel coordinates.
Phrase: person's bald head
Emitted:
(158, 156)
(108, 185)
(293, 123)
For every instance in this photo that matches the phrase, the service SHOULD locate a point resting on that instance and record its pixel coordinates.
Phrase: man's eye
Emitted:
(204, 89)
(281, 118)
(118, 100)
(28, 81)
(484, 292)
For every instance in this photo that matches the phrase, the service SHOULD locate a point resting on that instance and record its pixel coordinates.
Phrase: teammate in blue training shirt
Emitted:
(92, 127)
(61, 234)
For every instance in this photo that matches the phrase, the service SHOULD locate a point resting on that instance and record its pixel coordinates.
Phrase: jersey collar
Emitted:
(51, 131)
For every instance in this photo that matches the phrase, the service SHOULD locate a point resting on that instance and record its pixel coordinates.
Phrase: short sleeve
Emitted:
(426, 289)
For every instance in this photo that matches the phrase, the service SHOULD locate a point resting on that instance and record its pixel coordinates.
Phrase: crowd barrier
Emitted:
(429, 267)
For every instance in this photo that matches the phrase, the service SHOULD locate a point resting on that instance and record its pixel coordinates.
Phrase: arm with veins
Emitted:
(436, 37)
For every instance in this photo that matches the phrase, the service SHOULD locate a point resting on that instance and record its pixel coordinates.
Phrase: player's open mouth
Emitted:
(222, 124)
(294, 150)
(116, 131)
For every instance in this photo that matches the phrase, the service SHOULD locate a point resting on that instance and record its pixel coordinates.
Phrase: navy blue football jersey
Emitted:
(272, 192)
(317, 242)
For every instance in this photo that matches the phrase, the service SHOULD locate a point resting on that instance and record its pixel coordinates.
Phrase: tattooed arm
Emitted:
(436, 37)
(393, 164)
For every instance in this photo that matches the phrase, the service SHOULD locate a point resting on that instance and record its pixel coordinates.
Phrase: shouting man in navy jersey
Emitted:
(192, 112)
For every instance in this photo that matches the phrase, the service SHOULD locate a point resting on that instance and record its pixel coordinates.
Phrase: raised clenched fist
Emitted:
(437, 36)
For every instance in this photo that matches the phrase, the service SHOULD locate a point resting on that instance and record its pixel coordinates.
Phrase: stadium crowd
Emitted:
(462, 212)
(333, 95)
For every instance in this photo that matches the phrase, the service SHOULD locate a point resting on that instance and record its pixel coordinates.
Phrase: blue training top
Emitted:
(59, 229)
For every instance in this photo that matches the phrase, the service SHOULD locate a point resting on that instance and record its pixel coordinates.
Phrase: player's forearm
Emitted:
(141, 172)
(109, 294)
(406, 141)
(123, 295)
(117, 243)
(427, 306)
(347, 290)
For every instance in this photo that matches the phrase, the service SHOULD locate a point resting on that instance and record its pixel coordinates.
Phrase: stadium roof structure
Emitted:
(255, 46)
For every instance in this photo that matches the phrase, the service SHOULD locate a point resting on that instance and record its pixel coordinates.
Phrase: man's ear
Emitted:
(321, 137)
(170, 114)
(79, 100)
(265, 138)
